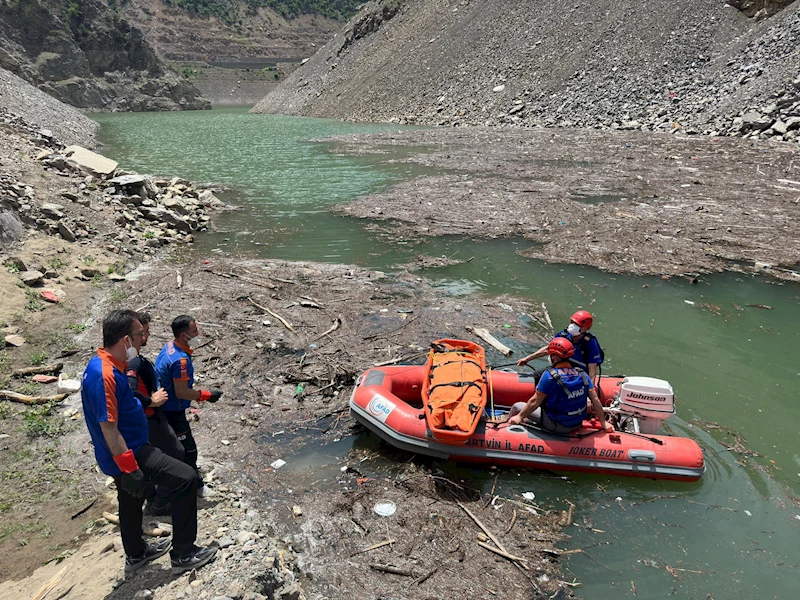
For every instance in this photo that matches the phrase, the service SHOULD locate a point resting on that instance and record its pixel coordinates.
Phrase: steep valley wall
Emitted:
(697, 66)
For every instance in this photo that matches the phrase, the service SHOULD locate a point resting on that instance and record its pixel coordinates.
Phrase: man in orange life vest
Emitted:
(559, 404)
(144, 384)
(118, 428)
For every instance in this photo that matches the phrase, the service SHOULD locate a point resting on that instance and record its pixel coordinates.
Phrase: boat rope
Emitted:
(491, 390)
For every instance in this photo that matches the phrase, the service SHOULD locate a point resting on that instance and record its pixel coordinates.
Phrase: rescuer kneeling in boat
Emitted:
(588, 354)
(559, 404)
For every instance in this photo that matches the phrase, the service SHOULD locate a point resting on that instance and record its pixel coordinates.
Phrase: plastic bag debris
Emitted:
(385, 508)
(528, 495)
(277, 464)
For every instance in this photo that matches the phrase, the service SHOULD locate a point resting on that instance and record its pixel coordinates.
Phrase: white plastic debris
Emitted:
(689, 302)
(618, 499)
(528, 495)
(748, 513)
(277, 464)
(385, 508)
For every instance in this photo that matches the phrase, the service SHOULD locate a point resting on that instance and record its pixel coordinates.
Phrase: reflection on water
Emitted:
(731, 534)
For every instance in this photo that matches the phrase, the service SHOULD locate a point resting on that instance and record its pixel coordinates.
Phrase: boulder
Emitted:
(16, 262)
(176, 205)
(52, 210)
(66, 232)
(32, 278)
(126, 180)
(14, 340)
(68, 195)
(754, 121)
(165, 216)
(779, 127)
(90, 162)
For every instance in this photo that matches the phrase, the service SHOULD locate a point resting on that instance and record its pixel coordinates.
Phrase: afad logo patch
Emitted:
(380, 408)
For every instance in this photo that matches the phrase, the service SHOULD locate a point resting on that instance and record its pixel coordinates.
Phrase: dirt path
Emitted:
(626, 202)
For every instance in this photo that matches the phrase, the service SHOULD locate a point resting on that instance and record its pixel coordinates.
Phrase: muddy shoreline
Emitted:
(626, 202)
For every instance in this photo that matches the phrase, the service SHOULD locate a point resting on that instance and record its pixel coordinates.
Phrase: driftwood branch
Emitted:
(252, 280)
(336, 324)
(40, 370)
(48, 587)
(547, 317)
(394, 361)
(392, 570)
(484, 528)
(491, 340)
(274, 314)
(15, 397)
(374, 547)
(510, 557)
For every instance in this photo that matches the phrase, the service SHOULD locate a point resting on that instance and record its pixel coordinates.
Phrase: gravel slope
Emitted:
(688, 64)
(21, 100)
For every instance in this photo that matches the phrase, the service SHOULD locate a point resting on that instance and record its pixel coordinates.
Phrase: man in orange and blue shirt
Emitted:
(119, 432)
(176, 373)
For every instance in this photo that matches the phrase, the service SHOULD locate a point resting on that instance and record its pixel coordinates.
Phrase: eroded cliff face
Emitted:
(82, 53)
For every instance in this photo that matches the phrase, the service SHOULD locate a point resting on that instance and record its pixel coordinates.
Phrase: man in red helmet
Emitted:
(560, 402)
(588, 353)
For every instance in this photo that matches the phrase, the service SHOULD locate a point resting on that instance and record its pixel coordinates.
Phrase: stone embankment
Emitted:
(669, 66)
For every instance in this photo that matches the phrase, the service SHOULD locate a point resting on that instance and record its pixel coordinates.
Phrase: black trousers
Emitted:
(177, 477)
(162, 436)
(180, 425)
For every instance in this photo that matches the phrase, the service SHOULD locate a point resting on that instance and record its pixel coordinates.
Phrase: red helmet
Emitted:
(582, 318)
(560, 347)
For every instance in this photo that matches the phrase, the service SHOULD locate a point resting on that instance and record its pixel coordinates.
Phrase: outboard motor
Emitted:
(642, 404)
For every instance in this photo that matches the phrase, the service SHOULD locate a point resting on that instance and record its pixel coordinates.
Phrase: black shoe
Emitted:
(152, 552)
(157, 509)
(194, 559)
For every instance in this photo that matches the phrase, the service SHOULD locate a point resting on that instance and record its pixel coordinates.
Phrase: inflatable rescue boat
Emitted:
(398, 404)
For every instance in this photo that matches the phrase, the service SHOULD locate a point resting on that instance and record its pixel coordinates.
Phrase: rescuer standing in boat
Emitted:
(118, 428)
(176, 373)
(559, 404)
(588, 353)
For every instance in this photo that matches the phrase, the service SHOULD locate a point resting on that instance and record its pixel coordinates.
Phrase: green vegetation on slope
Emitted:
(227, 10)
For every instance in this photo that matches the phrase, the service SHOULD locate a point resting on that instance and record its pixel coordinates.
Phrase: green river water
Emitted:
(733, 534)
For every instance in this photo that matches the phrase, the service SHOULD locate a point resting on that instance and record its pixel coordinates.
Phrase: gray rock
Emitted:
(66, 232)
(54, 211)
(90, 162)
(68, 195)
(32, 278)
(176, 205)
(165, 216)
(225, 541)
(89, 272)
(779, 127)
(128, 180)
(14, 340)
(16, 262)
(793, 123)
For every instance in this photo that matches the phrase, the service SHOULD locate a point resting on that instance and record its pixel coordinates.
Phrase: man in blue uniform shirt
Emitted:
(176, 373)
(588, 354)
(118, 428)
(144, 384)
(559, 404)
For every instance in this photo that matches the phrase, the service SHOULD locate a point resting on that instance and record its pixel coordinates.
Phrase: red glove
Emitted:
(204, 395)
(126, 462)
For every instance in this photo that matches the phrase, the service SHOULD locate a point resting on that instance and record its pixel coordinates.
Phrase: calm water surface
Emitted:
(733, 534)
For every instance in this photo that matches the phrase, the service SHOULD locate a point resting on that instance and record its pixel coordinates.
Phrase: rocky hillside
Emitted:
(230, 31)
(84, 54)
(695, 66)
